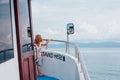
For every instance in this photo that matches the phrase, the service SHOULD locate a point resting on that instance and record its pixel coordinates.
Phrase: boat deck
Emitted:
(46, 78)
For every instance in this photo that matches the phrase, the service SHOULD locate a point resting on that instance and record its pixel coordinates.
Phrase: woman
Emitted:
(38, 43)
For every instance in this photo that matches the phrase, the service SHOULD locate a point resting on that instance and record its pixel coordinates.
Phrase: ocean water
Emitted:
(102, 63)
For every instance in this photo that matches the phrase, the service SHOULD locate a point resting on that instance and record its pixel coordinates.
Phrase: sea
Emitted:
(101, 63)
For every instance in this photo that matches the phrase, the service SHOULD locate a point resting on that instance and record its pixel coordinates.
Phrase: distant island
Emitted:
(90, 45)
(99, 44)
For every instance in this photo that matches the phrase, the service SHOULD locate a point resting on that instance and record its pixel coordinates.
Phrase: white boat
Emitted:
(17, 54)
(63, 64)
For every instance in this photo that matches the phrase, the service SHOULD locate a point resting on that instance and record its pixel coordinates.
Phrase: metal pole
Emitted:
(66, 48)
(67, 43)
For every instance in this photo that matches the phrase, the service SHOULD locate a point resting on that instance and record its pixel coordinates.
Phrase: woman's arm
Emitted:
(46, 43)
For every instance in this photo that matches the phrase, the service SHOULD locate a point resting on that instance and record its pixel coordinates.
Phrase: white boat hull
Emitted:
(61, 66)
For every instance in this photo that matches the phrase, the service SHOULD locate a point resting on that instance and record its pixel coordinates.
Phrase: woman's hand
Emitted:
(46, 43)
(49, 40)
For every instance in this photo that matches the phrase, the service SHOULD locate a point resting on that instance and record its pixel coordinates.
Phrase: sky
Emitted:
(94, 20)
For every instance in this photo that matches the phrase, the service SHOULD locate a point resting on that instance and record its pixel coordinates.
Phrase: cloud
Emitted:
(86, 27)
(93, 20)
(114, 27)
(109, 23)
(105, 28)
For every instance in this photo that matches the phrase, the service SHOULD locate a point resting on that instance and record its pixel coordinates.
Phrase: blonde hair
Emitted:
(38, 39)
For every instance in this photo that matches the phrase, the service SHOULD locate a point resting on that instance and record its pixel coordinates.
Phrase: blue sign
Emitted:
(70, 28)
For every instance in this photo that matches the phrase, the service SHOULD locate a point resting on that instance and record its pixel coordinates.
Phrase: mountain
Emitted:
(99, 44)
(89, 45)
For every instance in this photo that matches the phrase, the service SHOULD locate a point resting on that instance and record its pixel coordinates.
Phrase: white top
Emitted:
(38, 54)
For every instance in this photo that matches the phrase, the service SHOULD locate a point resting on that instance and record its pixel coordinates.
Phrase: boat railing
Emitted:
(67, 46)
(76, 54)
(7, 54)
(27, 47)
(4, 55)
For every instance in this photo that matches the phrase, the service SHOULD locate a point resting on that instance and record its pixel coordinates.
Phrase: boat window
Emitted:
(25, 25)
(6, 38)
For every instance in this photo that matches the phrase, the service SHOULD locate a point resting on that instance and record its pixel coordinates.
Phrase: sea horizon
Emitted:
(102, 63)
(89, 45)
